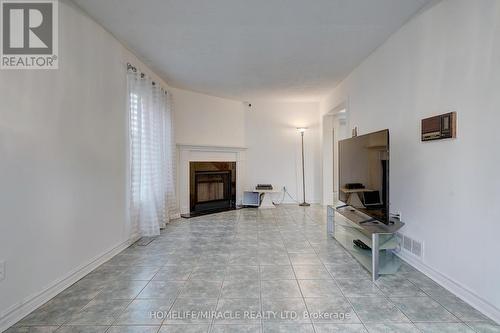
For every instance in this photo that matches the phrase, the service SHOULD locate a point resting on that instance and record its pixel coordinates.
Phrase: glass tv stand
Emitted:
(350, 225)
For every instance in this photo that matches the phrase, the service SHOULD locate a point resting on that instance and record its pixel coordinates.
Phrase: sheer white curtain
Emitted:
(152, 155)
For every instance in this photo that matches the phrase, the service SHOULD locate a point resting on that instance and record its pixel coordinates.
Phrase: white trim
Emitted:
(20, 310)
(175, 216)
(210, 147)
(456, 288)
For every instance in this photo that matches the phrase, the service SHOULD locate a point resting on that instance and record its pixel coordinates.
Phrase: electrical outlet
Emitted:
(2, 270)
(396, 215)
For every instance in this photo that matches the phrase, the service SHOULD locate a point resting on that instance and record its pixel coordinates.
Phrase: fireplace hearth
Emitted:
(212, 187)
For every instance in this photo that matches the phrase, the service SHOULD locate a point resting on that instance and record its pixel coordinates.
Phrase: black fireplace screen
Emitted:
(212, 185)
(212, 189)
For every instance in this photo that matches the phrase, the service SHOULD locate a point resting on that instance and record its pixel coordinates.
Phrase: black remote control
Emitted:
(361, 245)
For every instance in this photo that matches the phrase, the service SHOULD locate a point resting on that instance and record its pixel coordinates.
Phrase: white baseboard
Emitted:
(23, 308)
(456, 288)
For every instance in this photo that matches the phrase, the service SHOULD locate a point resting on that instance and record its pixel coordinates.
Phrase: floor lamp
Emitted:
(304, 203)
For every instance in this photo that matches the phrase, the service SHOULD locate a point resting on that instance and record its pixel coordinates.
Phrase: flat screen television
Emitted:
(364, 174)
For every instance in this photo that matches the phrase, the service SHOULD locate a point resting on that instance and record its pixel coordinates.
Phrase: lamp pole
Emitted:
(304, 203)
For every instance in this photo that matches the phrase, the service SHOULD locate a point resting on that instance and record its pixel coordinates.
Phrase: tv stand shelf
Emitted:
(348, 225)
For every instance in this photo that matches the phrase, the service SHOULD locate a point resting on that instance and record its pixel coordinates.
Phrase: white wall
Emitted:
(447, 59)
(63, 161)
(267, 130)
(206, 120)
(274, 148)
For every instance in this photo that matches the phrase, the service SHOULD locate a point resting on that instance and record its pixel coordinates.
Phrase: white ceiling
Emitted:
(253, 49)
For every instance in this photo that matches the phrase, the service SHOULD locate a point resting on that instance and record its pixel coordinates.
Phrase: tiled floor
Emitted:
(277, 265)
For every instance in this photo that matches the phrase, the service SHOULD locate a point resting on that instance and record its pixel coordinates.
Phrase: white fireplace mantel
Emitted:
(205, 153)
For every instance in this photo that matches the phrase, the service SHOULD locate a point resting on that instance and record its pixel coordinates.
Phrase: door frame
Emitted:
(336, 117)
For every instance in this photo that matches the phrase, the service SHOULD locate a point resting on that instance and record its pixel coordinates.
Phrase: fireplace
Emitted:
(212, 187)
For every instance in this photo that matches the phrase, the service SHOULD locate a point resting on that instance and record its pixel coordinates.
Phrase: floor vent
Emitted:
(145, 241)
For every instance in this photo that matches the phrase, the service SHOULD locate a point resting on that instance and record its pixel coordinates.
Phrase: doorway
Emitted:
(335, 128)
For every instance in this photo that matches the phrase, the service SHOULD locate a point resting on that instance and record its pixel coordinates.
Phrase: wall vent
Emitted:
(416, 248)
(412, 246)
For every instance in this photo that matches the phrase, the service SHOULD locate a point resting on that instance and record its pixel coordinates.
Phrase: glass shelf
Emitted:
(388, 262)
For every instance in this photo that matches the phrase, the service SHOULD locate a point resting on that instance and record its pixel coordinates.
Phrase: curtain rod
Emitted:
(134, 69)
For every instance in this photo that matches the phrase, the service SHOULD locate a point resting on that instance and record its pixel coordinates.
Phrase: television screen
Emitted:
(364, 174)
